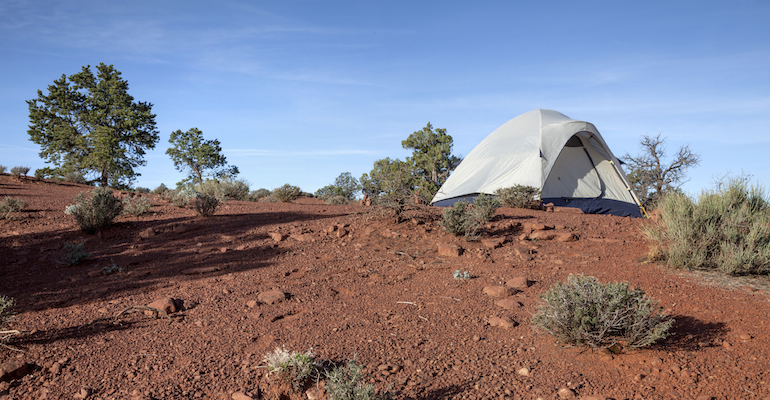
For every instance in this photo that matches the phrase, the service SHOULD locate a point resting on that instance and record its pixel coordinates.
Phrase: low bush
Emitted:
(464, 218)
(183, 197)
(519, 196)
(347, 383)
(269, 199)
(337, 200)
(205, 205)
(136, 206)
(75, 177)
(10, 205)
(161, 190)
(586, 312)
(40, 174)
(95, 210)
(6, 310)
(345, 185)
(19, 171)
(296, 368)
(258, 194)
(727, 229)
(142, 190)
(225, 188)
(2, 169)
(287, 193)
(74, 254)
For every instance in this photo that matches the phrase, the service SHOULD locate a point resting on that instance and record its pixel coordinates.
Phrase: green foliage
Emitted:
(650, 177)
(345, 186)
(269, 199)
(519, 196)
(198, 157)
(19, 171)
(586, 312)
(225, 188)
(337, 200)
(6, 310)
(206, 205)
(297, 368)
(2, 169)
(728, 229)
(347, 383)
(75, 255)
(161, 190)
(40, 174)
(10, 205)
(461, 275)
(287, 193)
(136, 206)
(464, 218)
(95, 210)
(75, 177)
(258, 194)
(392, 186)
(431, 159)
(91, 124)
(142, 190)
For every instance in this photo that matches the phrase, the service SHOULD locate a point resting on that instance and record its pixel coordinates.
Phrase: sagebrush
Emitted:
(6, 313)
(11, 205)
(74, 254)
(347, 383)
(727, 229)
(19, 171)
(463, 218)
(297, 368)
(586, 312)
(136, 206)
(286, 193)
(95, 210)
(519, 196)
(205, 205)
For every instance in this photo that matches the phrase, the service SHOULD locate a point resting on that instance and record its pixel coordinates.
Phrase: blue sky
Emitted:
(300, 91)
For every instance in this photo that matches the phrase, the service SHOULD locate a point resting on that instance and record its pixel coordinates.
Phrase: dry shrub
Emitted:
(287, 193)
(519, 196)
(464, 218)
(587, 312)
(205, 204)
(136, 206)
(10, 205)
(95, 210)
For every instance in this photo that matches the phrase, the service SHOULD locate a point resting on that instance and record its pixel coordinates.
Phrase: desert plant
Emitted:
(345, 185)
(258, 194)
(112, 268)
(269, 199)
(2, 169)
(297, 368)
(136, 206)
(464, 218)
(6, 314)
(160, 190)
(585, 311)
(347, 383)
(10, 205)
(19, 171)
(519, 196)
(461, 275)
(287, 193)
(95, 210)
(205, 205)
(728, 229)
(336, 200)
(184, 196)
(142, 190)
(75, 177)
(40, 174)
(74, 254)
(225, 188)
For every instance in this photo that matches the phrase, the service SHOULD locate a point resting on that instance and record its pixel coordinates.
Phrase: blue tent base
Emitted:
(588, 206)
(598, 206)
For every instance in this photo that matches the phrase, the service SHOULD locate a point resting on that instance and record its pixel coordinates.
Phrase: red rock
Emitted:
(166, 304)
(498, 291)
(147, 233)
(565, 393)
(566, 237)
(542, 235)
(449, 250)
(493, 243)
(13, 369)
(519, 282)
(272, 296)
(523, 253)
(508, 303)
(342, 232)
(571, 210)
(503, 322)
(277, 236)
(241, 396)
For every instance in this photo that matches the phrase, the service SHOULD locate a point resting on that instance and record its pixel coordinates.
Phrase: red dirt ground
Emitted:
(381, 292)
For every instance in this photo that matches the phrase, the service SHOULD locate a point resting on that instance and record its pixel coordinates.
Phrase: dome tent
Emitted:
(566, 159)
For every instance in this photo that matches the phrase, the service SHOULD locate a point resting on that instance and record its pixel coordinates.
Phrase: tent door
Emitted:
(573, 174)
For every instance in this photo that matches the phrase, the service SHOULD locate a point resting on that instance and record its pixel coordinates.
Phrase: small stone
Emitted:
(498, 291)
(251, 303)
(508, 303)
(272, 296)
(342, 232)
(147, 233)
(241, 396)
(523, 371)
(493, 243)
(566, 237)
(519, 282)
(503, 322)
(277, 236)
(449, 250)
(315, 393)
(12, 370)
(166, 304)
(84, 393)
(565, 393)
(542, 235)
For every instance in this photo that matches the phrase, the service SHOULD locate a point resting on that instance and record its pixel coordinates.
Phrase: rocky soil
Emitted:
(343, 282)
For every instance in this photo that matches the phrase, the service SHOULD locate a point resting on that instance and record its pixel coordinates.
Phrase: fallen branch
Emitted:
(406, 302)
(156, 313)
(6, 335)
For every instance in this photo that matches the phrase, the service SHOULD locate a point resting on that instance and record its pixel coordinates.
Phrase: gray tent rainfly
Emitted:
(566, 159)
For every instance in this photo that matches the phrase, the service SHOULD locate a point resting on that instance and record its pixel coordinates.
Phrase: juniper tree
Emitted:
(200, 158)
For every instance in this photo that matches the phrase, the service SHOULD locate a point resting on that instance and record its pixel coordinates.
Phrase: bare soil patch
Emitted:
(352, 285)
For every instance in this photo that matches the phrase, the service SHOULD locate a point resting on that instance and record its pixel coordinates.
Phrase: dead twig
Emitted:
(156, 313)
(5, 336)
(402, 253)
(406, 302)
